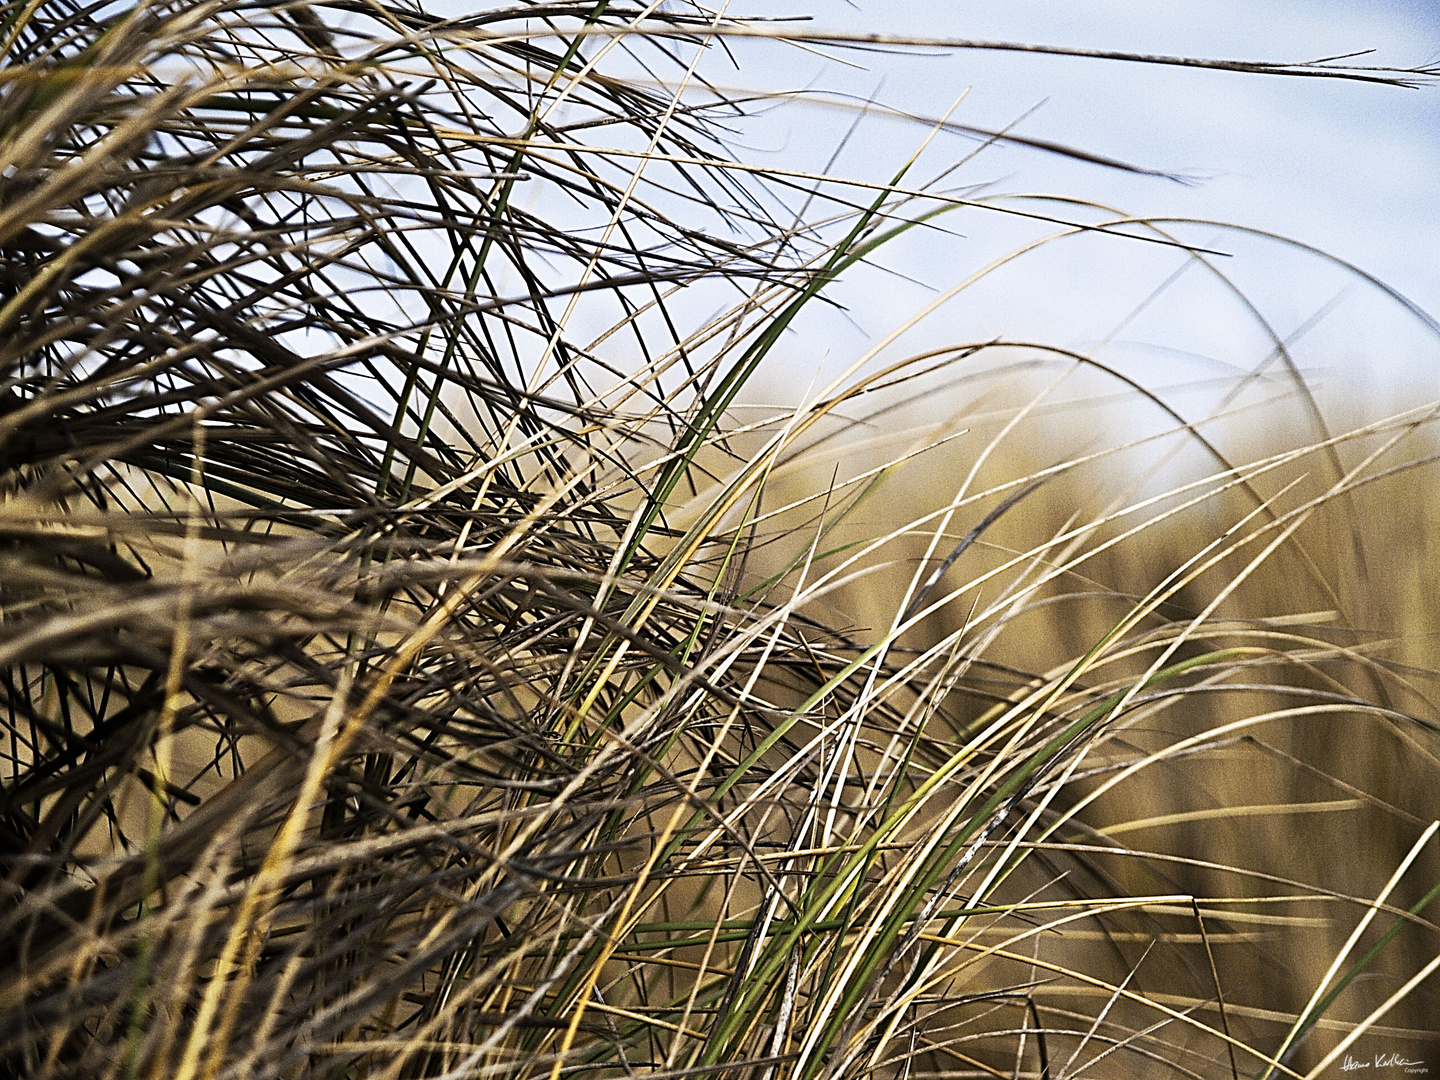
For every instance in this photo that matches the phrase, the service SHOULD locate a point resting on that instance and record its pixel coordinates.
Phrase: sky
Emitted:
(1348, 168)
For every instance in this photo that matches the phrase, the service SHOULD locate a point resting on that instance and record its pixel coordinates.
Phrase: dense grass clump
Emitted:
(415, 664)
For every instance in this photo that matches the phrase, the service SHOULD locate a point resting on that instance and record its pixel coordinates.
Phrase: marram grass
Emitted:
(416, 663)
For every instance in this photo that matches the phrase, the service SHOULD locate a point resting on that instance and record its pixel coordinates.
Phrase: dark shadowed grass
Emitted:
(404, 677)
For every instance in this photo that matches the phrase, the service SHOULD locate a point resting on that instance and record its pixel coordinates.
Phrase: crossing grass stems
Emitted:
(417, 663)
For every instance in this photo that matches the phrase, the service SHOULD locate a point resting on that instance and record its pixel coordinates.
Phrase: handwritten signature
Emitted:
(1384, 1061)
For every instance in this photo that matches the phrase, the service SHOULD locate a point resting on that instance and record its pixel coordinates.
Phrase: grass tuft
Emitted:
(418, 661)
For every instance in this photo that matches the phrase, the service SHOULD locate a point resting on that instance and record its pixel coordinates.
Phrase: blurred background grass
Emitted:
(1343, 616)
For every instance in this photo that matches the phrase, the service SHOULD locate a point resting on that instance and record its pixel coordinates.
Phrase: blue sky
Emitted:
(1350, 168)
(1341, 164)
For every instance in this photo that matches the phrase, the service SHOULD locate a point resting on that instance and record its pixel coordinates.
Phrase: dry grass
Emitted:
(403, 680)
